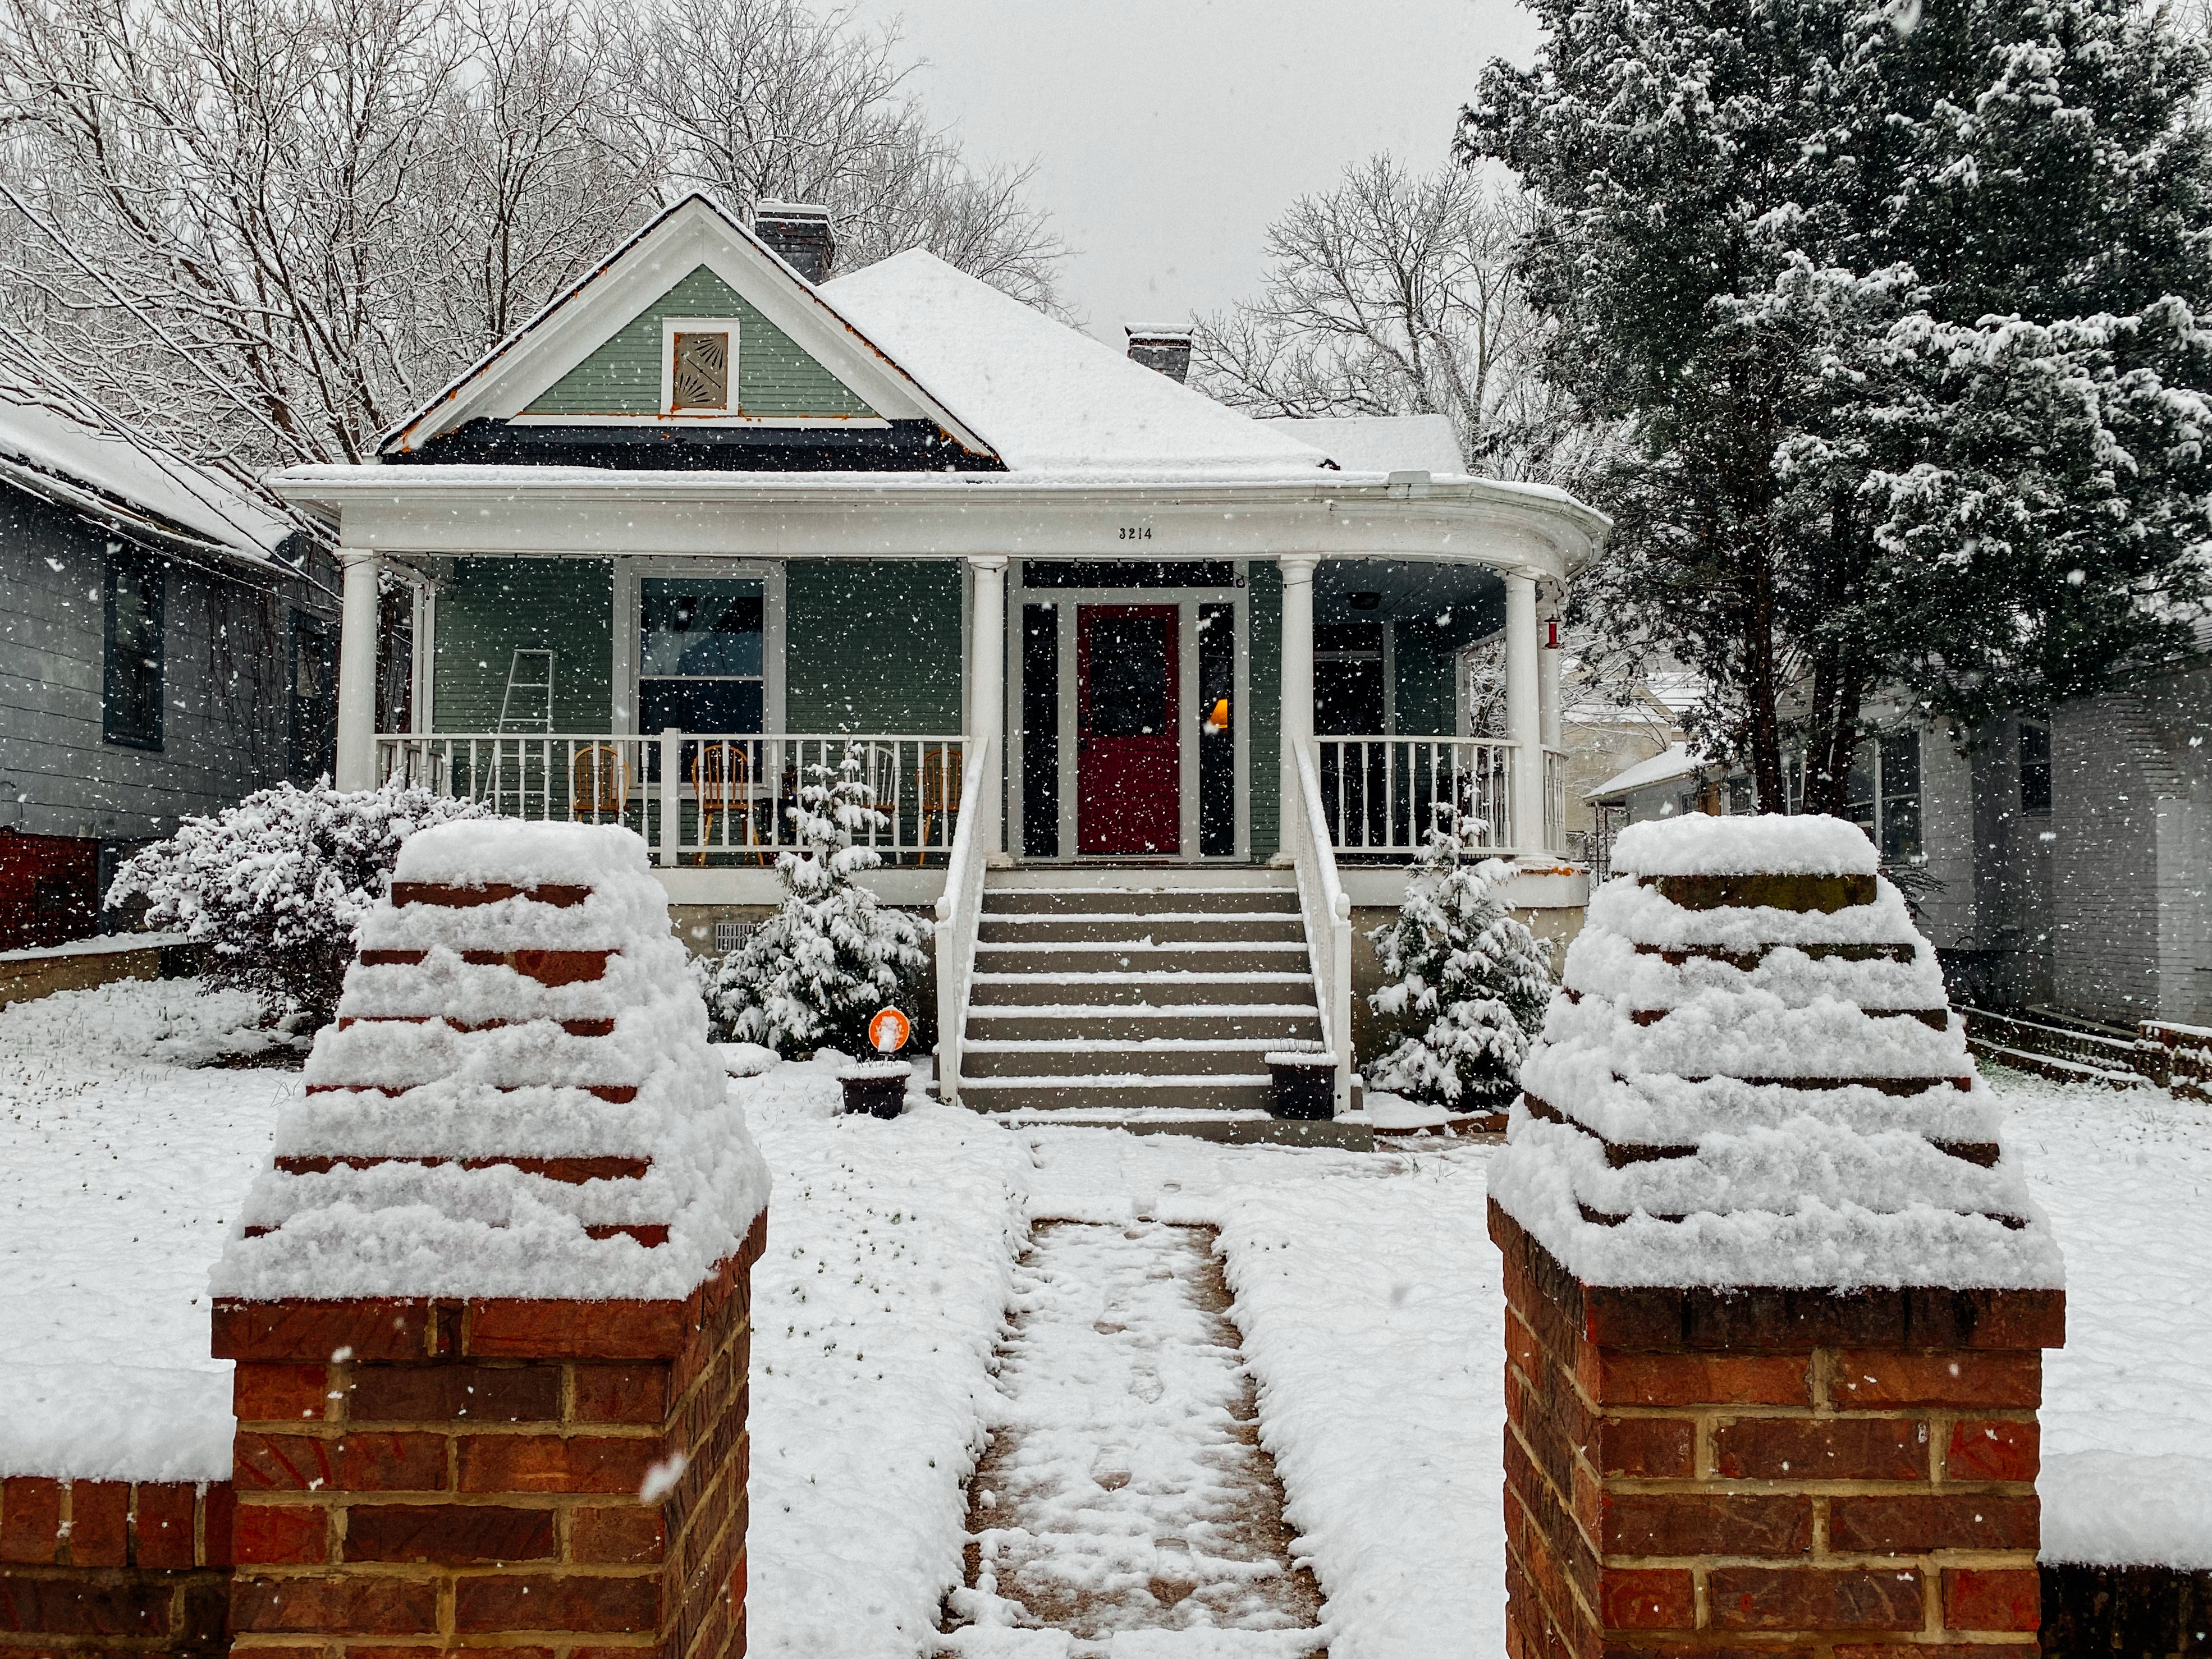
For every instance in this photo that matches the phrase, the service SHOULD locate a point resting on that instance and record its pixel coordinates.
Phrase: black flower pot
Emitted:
(1305, 1084)
(878, 1090)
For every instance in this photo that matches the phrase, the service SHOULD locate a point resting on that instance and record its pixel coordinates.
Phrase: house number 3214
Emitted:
(1136, 532)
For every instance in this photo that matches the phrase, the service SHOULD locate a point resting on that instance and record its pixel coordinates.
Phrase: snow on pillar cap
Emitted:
(1696, 845)
(517, 1098)
(1751, 1076)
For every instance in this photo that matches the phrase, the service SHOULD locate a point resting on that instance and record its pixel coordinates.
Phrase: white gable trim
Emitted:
(695, 232)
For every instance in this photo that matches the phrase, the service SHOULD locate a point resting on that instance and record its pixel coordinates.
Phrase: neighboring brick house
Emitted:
(169, 643)
(2068, 859)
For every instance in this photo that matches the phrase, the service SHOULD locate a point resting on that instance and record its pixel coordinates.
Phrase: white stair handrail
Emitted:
(959, 914)
(1327, 908)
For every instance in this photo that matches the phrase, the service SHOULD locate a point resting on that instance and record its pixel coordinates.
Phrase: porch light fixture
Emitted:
(1364, 601)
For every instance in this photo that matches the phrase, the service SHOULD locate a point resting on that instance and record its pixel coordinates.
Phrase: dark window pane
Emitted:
(1348, 636)
(1900, 828)
(313, 733)
(699, 705)
(699, 627)
(1128, 676)
(1040, 732)
(2035, 769)
(132, 671)
(1348, 697)
(1217, 730)
(1900, 763)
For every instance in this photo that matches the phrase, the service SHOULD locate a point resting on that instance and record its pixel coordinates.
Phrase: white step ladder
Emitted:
(543, 721)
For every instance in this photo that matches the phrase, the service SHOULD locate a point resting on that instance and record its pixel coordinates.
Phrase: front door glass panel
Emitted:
(1128, 758)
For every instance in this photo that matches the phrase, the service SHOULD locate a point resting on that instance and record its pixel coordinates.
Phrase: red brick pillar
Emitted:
(1796, 1472)
(1751, 1401)
(429, 1474)
(489, 1303)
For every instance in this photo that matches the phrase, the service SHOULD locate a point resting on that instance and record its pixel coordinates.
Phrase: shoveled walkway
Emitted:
(1125, 1506)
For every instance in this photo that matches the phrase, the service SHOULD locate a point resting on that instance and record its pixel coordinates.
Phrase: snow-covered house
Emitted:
(702, 523)
(170, 645)
(2066, 861)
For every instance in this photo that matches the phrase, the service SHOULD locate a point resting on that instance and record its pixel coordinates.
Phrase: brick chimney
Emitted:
(1167, 350)
(799, 231)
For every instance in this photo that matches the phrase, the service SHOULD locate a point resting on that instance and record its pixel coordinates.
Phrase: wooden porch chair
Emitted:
(940, 794)
(721, 779)
(599, 783)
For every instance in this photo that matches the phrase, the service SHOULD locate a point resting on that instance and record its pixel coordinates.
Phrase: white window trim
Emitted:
(629, 571)
(670, 328)
(1186, 600)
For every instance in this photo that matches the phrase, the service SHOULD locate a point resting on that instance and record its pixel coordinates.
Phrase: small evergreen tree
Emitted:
(1473, 978)
(821, 967)
(276, 884)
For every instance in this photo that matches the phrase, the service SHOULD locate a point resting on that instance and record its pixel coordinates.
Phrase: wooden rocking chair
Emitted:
(940, 795)
(599, 784)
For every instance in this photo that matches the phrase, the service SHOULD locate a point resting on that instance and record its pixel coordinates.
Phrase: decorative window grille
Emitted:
(701, 376)
(731, 935)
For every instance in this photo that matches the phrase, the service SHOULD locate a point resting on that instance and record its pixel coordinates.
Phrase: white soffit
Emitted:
(696, 232)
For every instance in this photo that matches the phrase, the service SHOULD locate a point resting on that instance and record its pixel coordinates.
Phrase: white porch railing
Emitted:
(959, 914)
(1327, 912)
(701, 797)
(1379, 795)
(1555, 800)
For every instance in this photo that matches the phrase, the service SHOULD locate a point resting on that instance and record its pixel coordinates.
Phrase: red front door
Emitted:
(1128, 763)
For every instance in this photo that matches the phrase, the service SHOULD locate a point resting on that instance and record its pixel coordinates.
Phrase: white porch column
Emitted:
(1548, 655)
(357, 756)
(1297, 569)
(986, 684)
(1523, 716)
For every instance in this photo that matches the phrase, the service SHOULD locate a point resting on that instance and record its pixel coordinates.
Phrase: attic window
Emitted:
(699, 373)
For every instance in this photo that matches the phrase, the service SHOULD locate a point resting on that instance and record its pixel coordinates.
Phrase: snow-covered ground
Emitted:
(1366, 1294)
(120, 1171)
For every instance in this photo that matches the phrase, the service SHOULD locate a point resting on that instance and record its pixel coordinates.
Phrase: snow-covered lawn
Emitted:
(120, 1169)
(1366, 1293)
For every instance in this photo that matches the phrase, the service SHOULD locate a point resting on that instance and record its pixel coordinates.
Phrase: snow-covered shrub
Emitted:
(814, 973)
(276, 884)
(1471, 981)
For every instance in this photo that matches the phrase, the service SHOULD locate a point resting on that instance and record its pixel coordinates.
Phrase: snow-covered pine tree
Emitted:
(820, 968)
(1471, 979)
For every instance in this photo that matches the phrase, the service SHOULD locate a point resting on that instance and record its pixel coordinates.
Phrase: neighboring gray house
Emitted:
(2069, 860)
(168, 645)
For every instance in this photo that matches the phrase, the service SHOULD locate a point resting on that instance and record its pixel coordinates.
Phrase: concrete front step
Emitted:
(1278, 1022)
(1087, 901)
(1118, 989)
(1137, 956)
(1140, 877)
(1230, 1128)
(1025, 928)
(1202, 1056)
(1250, 1091)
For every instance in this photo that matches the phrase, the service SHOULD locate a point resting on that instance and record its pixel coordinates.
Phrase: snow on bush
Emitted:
(1472, 980)
(445, 1058)
(276, 884)
(1794, 1095)
(818, 970)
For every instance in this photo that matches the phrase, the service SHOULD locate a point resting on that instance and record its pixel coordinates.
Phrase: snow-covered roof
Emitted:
(1382, 443)
(1675, 760)
(1044, 396)
(130, 480)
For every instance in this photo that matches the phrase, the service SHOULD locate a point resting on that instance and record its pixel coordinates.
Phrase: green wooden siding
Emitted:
(1264, 748)
(872, 646)
(1423, 701)
(775, 377)
(493, 607)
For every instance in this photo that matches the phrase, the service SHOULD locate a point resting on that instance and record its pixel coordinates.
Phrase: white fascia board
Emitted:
(410, 510)
(694, 233)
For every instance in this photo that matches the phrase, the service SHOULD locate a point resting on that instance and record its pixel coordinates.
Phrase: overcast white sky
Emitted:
(1168, 133)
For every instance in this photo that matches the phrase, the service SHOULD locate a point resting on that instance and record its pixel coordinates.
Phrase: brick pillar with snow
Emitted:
(1778, 1297)
(490, 1304)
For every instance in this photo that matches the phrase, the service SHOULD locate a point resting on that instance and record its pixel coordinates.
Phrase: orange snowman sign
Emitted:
(887, 1031)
